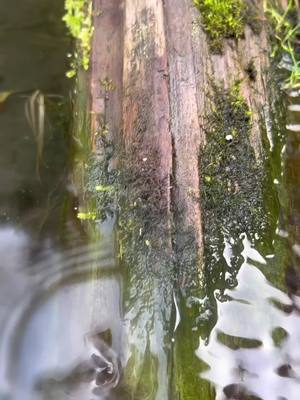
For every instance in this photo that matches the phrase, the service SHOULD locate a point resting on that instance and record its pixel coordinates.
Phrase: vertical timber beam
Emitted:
(147, 146)
(187, 137)
(106, 68)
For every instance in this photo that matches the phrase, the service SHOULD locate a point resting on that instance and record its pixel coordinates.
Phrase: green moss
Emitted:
(143, 209)
(231, 182)
(102, 182)
(78, 18)
(227, 19)
(135, 193)
(222, 19)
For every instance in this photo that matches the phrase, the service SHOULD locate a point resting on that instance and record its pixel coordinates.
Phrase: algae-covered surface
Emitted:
(203, 343)
(222, 19)
(231, 177)
(78, 18)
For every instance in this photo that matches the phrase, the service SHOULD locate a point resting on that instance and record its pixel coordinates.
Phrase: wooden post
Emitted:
(152, 72)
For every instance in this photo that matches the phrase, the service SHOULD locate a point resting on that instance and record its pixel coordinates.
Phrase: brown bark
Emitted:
(186, 133)
(106, 65)
(162, 70)
(145, 87)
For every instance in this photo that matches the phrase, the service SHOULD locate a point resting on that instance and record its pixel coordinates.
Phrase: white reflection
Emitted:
(60, 320)
(255, 311)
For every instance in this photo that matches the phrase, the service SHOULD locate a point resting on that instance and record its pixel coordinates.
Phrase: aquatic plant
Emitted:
(222, 19)
(286, 33)
(78, 18)
(35, 115)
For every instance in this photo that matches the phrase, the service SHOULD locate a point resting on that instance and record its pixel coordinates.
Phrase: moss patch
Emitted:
(143, 211)
(231, 181)
(226, 19)
(78, 18)
(222, 19)
(103, 182)
(137, 196)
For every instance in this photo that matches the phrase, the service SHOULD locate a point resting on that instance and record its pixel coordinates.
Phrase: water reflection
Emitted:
(62, 332)
(254, 348)
(60, 324)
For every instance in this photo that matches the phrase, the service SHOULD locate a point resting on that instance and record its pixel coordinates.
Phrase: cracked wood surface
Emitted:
(157, 58)
(158, 61)
(145, 87)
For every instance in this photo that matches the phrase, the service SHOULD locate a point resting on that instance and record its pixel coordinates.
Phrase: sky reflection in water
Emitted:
(254, 347)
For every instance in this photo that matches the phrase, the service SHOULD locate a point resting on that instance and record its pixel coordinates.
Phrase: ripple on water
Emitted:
(60, 337)
(254, 348)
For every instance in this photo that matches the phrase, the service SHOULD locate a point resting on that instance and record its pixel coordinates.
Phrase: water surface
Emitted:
(59, 291)
(64, 333)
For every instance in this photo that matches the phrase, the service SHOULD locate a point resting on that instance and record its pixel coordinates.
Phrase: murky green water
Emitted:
(72, 326)
(58, 320)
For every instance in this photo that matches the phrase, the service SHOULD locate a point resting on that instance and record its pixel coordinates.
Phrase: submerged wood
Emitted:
(151, 73)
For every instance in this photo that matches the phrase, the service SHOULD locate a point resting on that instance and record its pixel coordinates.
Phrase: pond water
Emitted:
(64, 333)
(51, 326)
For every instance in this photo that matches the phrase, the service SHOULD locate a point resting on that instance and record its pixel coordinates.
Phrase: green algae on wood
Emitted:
(102, 182)
(78, 18)
(187, 383)
(230, 172)
(231, 179)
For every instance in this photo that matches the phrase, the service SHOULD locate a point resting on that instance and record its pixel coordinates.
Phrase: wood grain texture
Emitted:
(187, 136)
(106, 65)
(145, 87)
(158, 57)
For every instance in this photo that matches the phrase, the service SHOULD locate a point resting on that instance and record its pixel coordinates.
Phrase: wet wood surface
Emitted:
(151, 73)
(155, 59)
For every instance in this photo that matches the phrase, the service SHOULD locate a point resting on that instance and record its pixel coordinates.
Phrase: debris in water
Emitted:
(35, 114)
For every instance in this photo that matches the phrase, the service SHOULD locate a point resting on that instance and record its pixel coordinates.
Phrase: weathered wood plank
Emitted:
(157, 59)
(106, 68)
(147, 162)
(145, 88)
(187, 136)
